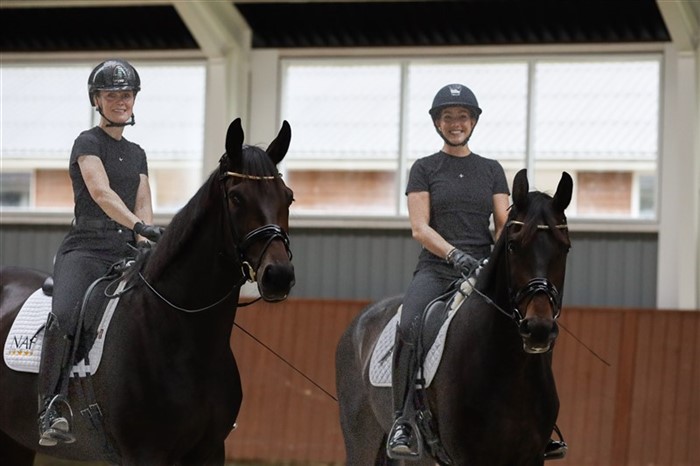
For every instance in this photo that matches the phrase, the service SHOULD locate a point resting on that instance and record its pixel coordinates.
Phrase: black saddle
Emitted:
(47, 287)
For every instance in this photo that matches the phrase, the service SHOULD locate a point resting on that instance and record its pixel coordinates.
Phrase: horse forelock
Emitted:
(256, 162)
(539, 212)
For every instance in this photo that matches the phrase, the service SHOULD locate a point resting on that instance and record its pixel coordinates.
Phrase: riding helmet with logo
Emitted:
(113, 75)
(454, 95)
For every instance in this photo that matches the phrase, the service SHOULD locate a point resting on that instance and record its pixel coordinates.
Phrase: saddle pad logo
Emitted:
(22, 351)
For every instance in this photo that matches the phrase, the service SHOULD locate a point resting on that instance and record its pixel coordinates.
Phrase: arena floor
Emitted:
(42, 460)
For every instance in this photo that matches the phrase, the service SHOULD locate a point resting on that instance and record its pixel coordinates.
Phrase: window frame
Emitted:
(54, 216)
(531, 59)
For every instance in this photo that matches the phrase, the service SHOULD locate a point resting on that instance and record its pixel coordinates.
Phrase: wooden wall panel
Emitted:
(284, 416)
(628, 379)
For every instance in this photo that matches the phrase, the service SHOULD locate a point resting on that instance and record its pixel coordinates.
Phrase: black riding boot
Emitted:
(401, 443)
(54, 410)
(556, 449)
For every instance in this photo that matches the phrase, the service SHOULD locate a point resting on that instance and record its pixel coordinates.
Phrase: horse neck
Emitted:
(493, 281)
(193, 263)
(491, 320)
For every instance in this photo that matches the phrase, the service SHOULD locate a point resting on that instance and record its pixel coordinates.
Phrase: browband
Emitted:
(253, 177)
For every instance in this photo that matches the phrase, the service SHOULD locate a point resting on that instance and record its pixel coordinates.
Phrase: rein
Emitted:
(174, 306)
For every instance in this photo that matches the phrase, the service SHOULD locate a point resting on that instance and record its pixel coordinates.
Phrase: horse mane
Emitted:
(181, 230)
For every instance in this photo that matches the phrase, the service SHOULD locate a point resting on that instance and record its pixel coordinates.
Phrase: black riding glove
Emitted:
(461, 261)
(150, 232)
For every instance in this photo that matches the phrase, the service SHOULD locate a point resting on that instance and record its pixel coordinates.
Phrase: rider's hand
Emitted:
(461, 261)
(150, 232)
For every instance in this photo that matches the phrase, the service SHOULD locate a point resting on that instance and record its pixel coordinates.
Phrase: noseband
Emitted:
(267, 233)
(534, 286)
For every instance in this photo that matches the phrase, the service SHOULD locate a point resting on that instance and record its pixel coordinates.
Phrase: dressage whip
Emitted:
(584, 345)
(286, 362)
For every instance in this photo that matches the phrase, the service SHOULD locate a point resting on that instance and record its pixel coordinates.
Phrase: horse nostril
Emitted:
(538, 329)
(279, 276)
(524, 328)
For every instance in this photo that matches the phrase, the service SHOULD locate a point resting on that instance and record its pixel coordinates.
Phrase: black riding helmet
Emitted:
(454, 95)
(113, 75)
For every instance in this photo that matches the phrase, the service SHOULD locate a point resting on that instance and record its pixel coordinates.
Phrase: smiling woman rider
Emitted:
(113, 212)
(451, 197)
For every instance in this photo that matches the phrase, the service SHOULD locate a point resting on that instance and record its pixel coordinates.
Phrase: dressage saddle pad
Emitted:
(380, 369)
(381, 362)
(24, 343)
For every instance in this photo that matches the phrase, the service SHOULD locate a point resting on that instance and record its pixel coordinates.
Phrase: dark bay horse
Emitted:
(168, 386)
(493, 398)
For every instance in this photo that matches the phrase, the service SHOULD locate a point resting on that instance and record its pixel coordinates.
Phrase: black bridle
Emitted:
(533, 286)
(267, 233)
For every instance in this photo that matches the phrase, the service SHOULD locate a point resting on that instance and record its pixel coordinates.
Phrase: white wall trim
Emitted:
(679, 203)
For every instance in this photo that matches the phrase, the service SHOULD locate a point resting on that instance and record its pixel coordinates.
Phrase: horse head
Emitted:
(537, 243)
(257, 205)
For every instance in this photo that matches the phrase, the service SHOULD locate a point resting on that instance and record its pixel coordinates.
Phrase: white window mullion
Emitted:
(530, 121)
(404, 124)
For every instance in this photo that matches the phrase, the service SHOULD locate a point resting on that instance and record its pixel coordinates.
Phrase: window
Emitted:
(346, 129)
(360, 124)
(15, 189)
(45, 107)
(599, 121)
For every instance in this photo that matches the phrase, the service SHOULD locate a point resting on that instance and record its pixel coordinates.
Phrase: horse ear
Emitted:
(234, 141)
(520, 189)
(278, 148)
(563, 194)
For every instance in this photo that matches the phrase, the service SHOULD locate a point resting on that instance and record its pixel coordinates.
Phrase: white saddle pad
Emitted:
(380, 364)
(23, 345)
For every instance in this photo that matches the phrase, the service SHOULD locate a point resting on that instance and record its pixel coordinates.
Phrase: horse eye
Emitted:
(290, 197)
(236, 200)
(512, 246)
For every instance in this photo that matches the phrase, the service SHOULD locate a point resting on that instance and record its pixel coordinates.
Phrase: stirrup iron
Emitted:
(416, 436)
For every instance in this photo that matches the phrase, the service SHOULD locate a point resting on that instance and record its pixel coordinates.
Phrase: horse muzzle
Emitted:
(275, 281)
(538, 334)
(538, 328)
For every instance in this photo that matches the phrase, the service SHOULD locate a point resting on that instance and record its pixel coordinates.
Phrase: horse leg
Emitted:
(365, 441)
(12, 453)
(363, 435)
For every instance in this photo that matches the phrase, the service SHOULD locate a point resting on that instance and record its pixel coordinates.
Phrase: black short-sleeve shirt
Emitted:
(461, 198)
(123, 160)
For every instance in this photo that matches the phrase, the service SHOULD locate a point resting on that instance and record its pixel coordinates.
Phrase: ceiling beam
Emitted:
(683, 22)
(218, 27)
